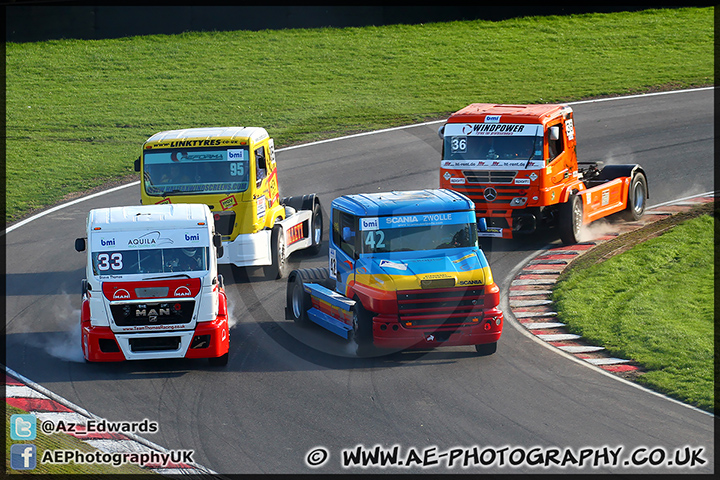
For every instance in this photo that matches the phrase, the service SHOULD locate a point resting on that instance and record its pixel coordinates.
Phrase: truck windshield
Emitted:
(195, 171)
(495, 147)
(151, 260)
(416, 238)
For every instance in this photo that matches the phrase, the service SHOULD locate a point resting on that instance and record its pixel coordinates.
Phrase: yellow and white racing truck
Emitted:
(233, 171)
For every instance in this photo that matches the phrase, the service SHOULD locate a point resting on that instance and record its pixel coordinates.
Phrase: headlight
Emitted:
(518, 201)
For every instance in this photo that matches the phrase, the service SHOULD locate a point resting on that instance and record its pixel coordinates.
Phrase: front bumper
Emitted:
(390, 334)
(506, 226)
(208, 340)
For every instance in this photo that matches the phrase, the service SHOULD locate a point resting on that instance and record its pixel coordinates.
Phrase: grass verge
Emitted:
(62, 441)
(648, 296)
(77, 111)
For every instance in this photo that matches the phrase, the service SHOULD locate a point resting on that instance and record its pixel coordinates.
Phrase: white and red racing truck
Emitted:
(152, 289)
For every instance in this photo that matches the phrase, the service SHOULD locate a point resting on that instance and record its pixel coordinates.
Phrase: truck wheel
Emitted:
(298, 301)
(278, 268)
(220, 361)
(362, 330)
(486, 349)
(571, 215)
(316, 229)
(637, 195)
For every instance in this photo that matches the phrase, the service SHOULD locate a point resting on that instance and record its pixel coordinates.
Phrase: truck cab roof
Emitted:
(477, 113)
(254, 134)
(406, 202)
(142, 217)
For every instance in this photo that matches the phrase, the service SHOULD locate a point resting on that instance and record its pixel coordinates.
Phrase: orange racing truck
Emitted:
(518, 163)
(233, 171)
(405, 272)
(151, 288)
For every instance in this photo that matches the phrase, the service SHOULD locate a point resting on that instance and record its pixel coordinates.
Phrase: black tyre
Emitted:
(637, 198)
(362, 330)
(316, 229)
(486, 349)
(298, 301)
(278, 268)
(571, 217)
(220, 361)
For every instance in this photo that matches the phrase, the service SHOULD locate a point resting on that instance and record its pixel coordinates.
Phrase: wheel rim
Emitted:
(317, 223)
(297, 303)
(577, 217)
(639, 196)
(281, 251)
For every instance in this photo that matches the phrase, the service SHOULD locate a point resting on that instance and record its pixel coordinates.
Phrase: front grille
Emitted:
(166, 313)
(505, 194)
(154, 344)
(437, 283)
(489, 176)
(446, 307)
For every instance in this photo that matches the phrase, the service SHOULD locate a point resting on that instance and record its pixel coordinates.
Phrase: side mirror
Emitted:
(271, 144)
(482, 224)
(555, 133)
(260, 158)
(137, 164)
(217, 243)
(80, 244)
(441, 132)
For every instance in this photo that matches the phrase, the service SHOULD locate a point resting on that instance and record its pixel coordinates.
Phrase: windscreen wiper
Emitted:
(179, 275)
(172, 192)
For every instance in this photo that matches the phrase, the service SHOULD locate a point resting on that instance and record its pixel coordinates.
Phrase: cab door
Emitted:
(272, 180)
(261, 193)
(558, 170)
(343, 249)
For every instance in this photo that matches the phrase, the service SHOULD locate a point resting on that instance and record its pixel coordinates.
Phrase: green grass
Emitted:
(78, 111)
(653, 304)
(62, 441)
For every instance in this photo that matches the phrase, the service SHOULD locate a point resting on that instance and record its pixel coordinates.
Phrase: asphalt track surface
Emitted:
(288, 391)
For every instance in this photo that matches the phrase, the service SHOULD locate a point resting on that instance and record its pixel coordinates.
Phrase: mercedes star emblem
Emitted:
(490, 194)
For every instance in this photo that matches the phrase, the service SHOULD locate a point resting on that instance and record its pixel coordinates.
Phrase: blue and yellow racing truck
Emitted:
(405, 272)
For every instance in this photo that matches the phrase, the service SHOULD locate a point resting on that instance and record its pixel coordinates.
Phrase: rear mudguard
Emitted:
(304, 202)
(611, 172)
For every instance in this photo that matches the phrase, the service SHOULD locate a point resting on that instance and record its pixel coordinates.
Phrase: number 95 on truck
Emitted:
(234, 172)
(405, 272)
(151, 288)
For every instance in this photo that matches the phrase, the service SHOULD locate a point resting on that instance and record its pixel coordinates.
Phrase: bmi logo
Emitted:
(235, 154)
(369, 223)
(107, 243)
